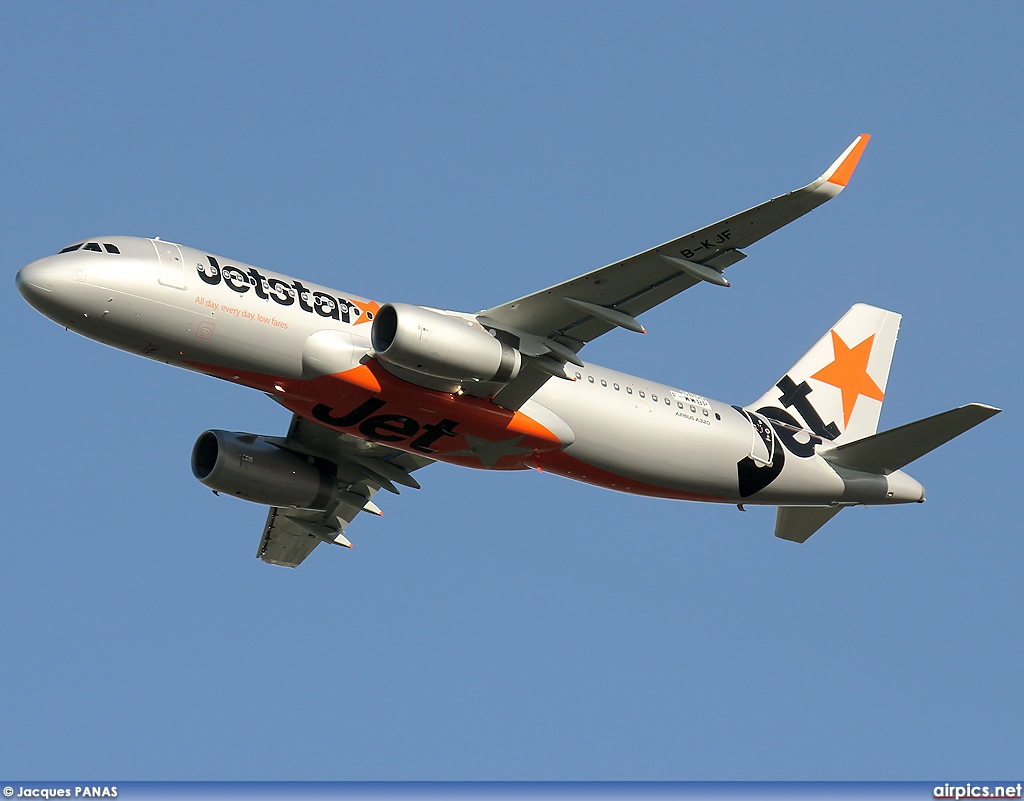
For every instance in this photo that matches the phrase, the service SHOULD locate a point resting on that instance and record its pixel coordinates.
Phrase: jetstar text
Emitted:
(281, 292)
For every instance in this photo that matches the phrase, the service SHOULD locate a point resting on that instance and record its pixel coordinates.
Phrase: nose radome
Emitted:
(36, 281)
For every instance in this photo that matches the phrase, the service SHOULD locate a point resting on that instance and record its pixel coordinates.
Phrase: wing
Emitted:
(570, 314)
(364, 468)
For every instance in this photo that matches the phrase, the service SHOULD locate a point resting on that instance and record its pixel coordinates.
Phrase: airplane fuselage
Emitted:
(308, 347)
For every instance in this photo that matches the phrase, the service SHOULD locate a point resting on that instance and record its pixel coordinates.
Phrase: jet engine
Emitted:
(438, 345)
(249, 467)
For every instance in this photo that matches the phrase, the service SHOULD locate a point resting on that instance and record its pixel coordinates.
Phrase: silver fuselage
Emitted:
(251, 326)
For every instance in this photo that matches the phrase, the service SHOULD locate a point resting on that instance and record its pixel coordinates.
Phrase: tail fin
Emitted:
(836, 389)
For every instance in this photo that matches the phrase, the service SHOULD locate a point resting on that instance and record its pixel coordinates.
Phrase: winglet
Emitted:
(841, 170)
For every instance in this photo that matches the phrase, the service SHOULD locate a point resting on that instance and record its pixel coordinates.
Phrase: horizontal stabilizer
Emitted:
(798, 523)
(891, 450)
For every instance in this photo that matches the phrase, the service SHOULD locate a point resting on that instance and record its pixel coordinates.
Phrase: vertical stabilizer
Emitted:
(836, 390)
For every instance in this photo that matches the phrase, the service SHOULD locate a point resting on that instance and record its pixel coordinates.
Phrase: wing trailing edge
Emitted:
(581, 309)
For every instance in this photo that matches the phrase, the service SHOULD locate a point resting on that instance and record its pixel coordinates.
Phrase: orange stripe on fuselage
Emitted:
(524, 424)
(477, 417)
(403, 407)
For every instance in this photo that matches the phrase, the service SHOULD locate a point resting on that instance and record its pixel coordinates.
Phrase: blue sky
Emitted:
(514, 626)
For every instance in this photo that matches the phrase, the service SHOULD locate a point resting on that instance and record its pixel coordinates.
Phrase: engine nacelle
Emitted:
(249, 467)
(438, 345)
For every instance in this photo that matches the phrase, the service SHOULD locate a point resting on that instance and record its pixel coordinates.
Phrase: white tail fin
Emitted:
(836, 389)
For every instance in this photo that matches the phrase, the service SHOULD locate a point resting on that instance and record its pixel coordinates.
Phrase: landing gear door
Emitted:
(172, 265)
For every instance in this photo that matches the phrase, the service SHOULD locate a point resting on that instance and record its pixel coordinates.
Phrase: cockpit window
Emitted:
(69, 248)
(111, 248)
(92, 246)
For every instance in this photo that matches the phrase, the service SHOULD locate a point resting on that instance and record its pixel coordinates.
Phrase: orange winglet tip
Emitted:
(840, 172)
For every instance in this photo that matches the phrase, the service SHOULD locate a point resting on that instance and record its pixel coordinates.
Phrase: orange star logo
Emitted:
(849, 372)
(371, 306)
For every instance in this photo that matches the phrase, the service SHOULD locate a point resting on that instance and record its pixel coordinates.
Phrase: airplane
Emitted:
(379, 391)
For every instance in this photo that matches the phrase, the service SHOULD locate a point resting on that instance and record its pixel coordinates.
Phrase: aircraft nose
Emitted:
(38, 281)
(34, 279)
